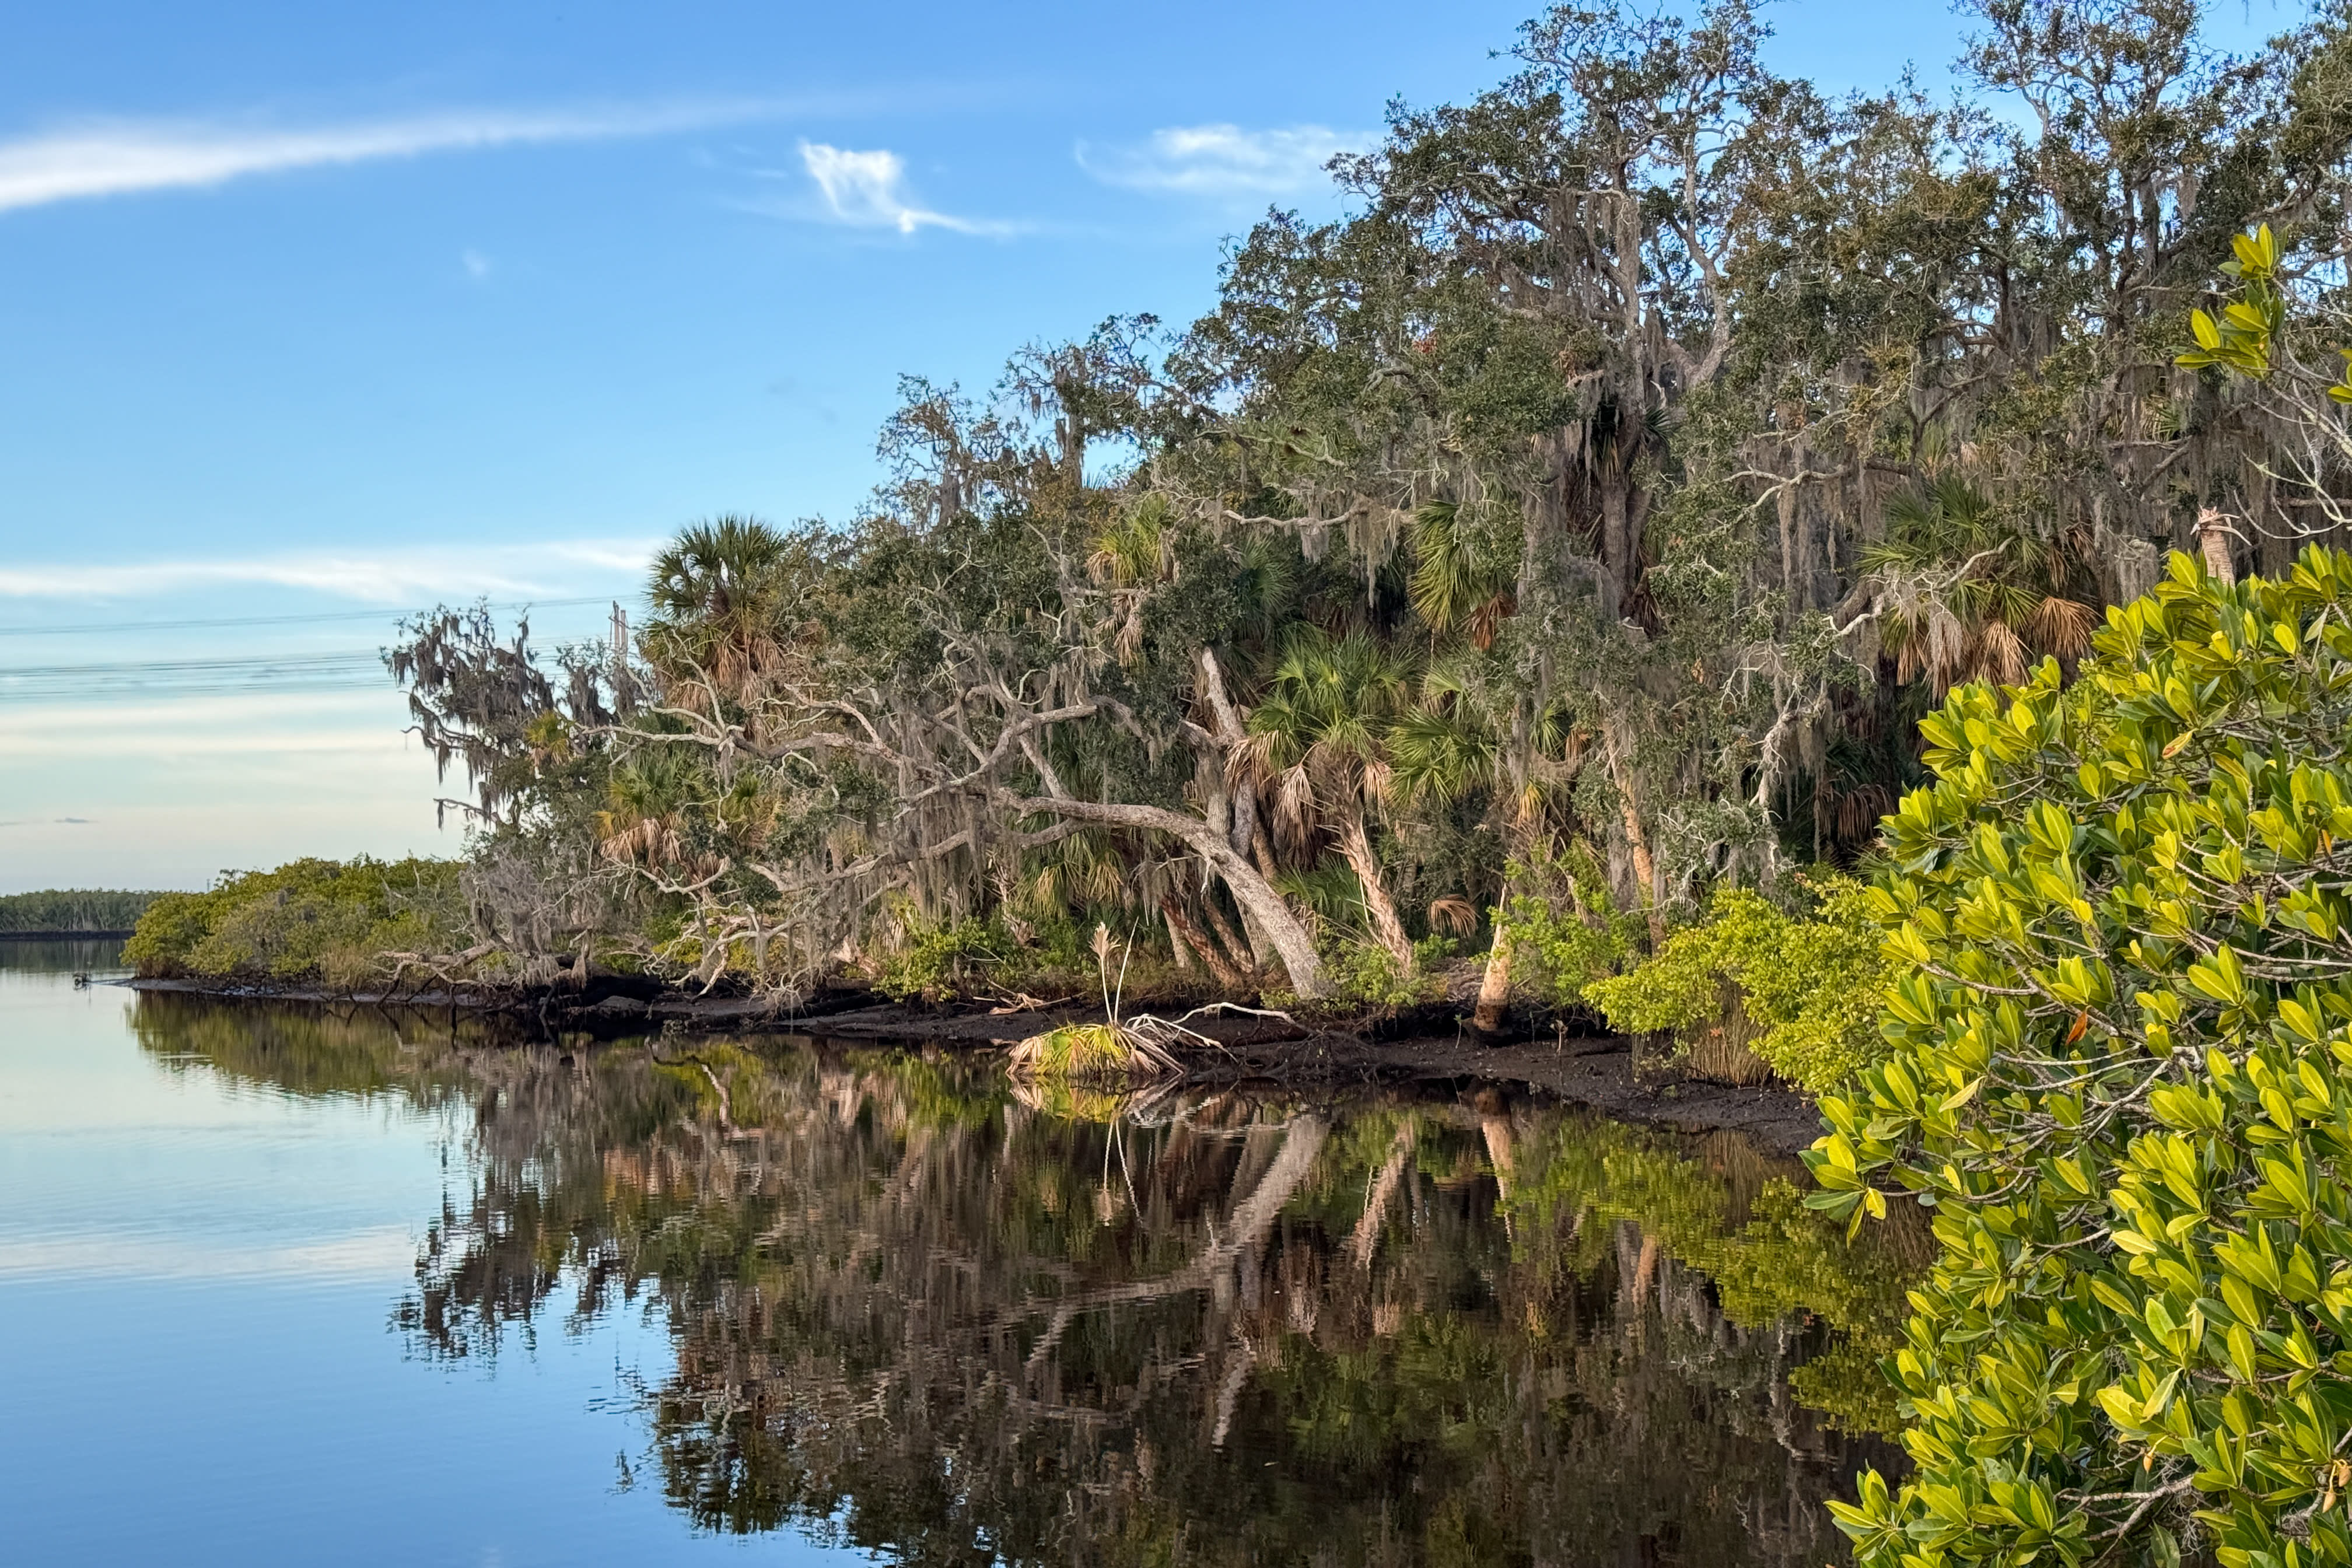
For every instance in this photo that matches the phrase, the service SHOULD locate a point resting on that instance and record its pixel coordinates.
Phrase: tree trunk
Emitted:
(1238, 950)
(1246, 834)
(1356, 849)
(1252, 892)
(1176, 942)
(1181, 924)
(1637, 840)
(1495, 986)
(2213, 542)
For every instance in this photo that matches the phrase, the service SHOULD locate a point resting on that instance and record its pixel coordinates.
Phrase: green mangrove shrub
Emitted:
(936, 959)
(1802, 988)
(2121, 1071)
(1565, 928)
(328, 920)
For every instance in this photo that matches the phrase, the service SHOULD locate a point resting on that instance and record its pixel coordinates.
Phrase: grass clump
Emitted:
(1093, 1053)
(1109, 1052)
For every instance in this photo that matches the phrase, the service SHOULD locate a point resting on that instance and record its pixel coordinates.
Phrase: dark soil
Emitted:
(1429, 1047)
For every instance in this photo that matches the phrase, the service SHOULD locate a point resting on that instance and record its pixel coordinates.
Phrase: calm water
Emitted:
(281, 1287)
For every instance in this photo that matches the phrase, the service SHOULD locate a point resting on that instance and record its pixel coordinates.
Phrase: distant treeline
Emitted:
(76, 909)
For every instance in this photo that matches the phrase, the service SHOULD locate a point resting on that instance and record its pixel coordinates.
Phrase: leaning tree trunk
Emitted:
(1176, 942)
(1247, 830)
(1182, 926)
(1237, 947)
(1252, 892)
(1356, 849)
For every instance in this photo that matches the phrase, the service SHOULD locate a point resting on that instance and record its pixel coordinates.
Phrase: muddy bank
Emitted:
(1601, 1073)
(603, 1007)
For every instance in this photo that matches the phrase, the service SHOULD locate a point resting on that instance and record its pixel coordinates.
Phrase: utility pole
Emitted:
(621, 694)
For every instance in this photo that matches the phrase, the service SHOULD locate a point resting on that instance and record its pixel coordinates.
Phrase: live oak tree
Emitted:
(1674, 433)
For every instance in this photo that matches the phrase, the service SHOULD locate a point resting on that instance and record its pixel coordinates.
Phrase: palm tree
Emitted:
(648, 819)
(1459, 582)
(721, 595)
(1969, 594)
(1455, 739)
(1316, 746)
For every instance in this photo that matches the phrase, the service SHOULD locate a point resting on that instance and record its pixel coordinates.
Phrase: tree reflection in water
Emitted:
(918, 1312)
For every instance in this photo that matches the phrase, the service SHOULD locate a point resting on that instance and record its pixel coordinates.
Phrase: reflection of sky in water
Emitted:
(324, 1287)
(196, 1279)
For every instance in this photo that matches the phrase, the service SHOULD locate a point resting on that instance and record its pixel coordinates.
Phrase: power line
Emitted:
(167, 667)
(352, 669)
(35, 696)
(190, 677)
(278, 620)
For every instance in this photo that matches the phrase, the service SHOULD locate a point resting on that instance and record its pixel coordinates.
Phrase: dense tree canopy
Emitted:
(1616, 483)
(1658, 472)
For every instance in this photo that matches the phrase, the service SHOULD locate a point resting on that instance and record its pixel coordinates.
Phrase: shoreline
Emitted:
(1600, 1073)
(65, 935)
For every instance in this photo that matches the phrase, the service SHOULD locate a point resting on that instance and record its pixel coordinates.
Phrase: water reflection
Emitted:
(97, 955)
(917, 1314)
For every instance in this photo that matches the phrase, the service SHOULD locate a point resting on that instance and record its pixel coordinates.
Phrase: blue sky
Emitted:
(336, 312)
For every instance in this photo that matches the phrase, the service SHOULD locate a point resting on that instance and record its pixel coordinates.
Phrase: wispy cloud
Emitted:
(399, 577)
(868, 190)
(1223, 161)
(119, 157)
(476, 265)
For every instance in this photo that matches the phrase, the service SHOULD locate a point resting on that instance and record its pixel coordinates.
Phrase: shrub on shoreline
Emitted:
(1803, 987)
(327, 920)
(2122, 1074)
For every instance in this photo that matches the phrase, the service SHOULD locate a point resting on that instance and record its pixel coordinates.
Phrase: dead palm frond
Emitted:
(1454, 915)
(1967, 592)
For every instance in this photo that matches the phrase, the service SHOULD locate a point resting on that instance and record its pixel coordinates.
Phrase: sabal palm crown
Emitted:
(718, 595)
(1320, 736)
(1969, 594)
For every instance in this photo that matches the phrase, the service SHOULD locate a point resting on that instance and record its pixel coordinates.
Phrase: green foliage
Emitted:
(1364, 974)
(1810, 981)
(325, 920)
(2240, 338)
(73, 910)
(1565, 931)
(938, 959)
(2122, 1073)
(1520, 502)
